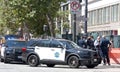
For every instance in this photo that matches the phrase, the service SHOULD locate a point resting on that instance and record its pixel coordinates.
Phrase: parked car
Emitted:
(12, 50)
(59, 51)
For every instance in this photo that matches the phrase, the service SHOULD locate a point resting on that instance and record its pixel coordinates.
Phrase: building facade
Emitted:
(103, 16)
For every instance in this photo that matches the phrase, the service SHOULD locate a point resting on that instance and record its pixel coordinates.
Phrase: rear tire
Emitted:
(73, 62)
(33, 60)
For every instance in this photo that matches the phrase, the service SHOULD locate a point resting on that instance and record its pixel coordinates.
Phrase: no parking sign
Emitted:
(75, 6)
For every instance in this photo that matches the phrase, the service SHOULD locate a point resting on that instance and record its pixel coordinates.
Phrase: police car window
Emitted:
(32, 42)
(16, 43)
(69, 44)
(43, 43)
(55, 43)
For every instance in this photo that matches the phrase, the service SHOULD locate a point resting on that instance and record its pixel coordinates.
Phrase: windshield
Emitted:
(15, 43)
(69, 44)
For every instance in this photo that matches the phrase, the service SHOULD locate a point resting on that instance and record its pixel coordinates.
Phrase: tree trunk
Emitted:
(51, 25)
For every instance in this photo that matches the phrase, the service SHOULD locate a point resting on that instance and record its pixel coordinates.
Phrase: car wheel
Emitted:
(50, 65)
(73, 62)
(33, 60)
(91, 66)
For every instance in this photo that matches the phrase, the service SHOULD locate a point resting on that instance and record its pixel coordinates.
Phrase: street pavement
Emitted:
(17, 67)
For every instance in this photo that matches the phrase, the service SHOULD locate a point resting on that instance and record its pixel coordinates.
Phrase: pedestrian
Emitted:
(97, 47)
(82, 42)
(104, 45)
(90, 42)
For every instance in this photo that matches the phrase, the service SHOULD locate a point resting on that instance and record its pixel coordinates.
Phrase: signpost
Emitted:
(75, 7)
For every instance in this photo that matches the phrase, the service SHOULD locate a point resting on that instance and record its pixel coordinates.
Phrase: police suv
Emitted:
(12, 50)
(59, 51)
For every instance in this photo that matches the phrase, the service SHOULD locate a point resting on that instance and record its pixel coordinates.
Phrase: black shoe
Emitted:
(109, 64)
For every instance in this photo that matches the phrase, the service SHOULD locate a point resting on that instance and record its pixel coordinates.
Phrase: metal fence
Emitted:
(115, 39)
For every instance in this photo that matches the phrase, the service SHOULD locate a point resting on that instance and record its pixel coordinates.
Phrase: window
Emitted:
(93, 18)
(32, 42)
(43, 43)
(65, 7)
(102, 16)
(99, 16)
(114, 13)
(89, 20)
(95, 14)
(55, 44)
(107, 15)
(12, 43)
(67, 44)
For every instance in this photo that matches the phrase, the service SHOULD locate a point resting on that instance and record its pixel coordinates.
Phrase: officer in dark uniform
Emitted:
(82, 42)
(104, 45)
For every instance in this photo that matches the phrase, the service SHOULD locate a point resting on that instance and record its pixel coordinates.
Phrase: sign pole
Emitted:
(86, 11)
(74, 35)
(75, 7)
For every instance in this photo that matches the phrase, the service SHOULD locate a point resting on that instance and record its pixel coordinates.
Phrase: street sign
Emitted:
(75, 6)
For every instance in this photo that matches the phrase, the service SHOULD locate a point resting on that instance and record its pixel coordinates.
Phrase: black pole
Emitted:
(66, 34)
(74, 28)
(86, 11)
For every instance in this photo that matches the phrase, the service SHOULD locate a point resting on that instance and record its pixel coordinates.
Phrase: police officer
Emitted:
(82, 42)
(90, 42)
(104, 45)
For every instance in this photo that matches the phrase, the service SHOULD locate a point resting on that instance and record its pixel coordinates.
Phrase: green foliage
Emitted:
(32, 13)
(63, 15)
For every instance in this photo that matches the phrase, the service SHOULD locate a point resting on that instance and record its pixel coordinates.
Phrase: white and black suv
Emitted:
(59, 51)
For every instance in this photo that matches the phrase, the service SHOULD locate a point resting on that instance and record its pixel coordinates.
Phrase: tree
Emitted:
(33, 13)
(63, 15)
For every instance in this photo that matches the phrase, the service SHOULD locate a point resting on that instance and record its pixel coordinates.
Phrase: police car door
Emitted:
(43, 49)
(57, 51)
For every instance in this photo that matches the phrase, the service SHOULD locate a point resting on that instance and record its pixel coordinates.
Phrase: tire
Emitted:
(50, 65)
(33, 60)
(91, 66)
(73, 62)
